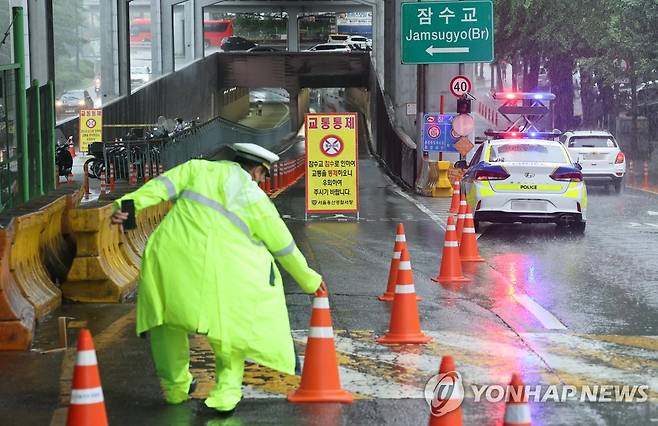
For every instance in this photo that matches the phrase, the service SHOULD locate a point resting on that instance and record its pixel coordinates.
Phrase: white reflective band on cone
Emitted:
(451, 228)
(451, 244)
(86, 358)
(405, 289)
(517, 413)
(405, 265)
(321, 303)
(400, 238)
(461, 216)
(87, 396)
(469, 230)
(468, 216)
(396, 254)
(321, 332)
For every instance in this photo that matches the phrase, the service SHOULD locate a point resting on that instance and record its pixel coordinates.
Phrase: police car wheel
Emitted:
(578, 228)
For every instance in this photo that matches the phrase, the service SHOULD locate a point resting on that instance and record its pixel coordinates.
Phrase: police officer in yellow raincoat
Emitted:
(209, 268)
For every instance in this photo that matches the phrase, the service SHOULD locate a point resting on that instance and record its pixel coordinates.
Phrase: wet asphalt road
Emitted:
(598, 326)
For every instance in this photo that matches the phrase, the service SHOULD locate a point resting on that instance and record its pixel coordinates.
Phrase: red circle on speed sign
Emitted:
(434, 132)
(331, 145)
(460, 85)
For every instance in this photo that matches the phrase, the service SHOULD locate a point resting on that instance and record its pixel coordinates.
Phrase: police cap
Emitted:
(255, 153)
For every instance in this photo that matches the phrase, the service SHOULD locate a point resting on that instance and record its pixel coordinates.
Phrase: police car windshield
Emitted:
(526, 153)
(591, 142)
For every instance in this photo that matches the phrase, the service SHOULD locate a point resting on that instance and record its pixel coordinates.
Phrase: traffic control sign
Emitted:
(464, 145)
(463, 124)
(447, 32)
(437, 132)
(460, 85)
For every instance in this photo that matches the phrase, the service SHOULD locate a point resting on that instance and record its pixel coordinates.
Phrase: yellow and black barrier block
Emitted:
(27, 266)
(56, 251)
(100, 272)
(442, 187)
(433, 179)
(17, 317)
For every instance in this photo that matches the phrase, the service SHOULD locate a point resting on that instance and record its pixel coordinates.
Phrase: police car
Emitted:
(518, 178)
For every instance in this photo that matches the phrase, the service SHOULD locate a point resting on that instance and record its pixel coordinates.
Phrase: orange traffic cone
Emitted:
(87, 404)
(400, 243)
(451, 266)
(320, 379)
(468, 248)
(404, 326)
(460, 217)
(446, 404)
(454, 204)
(72, 150)
(517, 411)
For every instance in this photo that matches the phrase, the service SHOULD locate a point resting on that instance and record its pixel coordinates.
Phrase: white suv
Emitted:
(599, 155)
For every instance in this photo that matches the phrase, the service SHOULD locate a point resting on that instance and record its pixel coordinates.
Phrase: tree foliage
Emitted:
(70, 29)
(612, 43)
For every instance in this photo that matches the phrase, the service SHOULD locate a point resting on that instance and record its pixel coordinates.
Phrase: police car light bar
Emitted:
(497, 134)
(523, 96)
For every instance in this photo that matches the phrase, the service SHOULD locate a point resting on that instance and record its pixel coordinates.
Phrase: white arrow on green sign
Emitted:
(447, 32)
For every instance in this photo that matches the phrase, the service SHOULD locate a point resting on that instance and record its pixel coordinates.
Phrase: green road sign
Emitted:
(447, 32)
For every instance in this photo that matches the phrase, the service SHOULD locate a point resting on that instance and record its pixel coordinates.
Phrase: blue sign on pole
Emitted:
(437, 132)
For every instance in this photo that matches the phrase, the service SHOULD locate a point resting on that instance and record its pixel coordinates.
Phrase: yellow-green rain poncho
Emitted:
(209, 267)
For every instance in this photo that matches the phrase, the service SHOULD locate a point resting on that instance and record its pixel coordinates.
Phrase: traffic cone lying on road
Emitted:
(454, 204)
(468, 248)
(404, 326)
(451, 265)
(87, 403)
(320, 379)
(517, 411)
(447, 396)
(400, 243)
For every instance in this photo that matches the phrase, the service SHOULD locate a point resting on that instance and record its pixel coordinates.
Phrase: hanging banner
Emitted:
(91, 127)
(332, 183)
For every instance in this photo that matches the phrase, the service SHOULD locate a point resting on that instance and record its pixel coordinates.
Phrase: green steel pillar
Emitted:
(52, 139)
(21, 102)
(35, 126)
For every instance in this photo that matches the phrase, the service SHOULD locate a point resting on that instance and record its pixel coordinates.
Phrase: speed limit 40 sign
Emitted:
(460, 85)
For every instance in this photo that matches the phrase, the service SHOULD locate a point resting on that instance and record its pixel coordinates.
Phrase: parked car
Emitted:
(599, 155)
(359, 41)
(234, 43)
(71, 101)
(260, 48)
(330, 47)
(338, 38)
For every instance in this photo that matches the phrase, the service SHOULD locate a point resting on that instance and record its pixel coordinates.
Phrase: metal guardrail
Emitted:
(393, 146)
(141, 160)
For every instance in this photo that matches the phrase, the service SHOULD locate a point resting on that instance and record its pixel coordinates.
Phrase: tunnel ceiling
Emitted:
(294, 70)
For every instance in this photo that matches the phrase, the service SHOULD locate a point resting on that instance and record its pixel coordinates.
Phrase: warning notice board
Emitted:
(91, 127)
(332, 183)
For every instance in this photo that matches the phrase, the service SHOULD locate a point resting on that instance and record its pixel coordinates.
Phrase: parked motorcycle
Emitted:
(63, 158)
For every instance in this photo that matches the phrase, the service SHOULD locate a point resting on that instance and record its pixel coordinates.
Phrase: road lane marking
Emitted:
(652, 213)
(547, 319)
(373, 371)
(437, 219)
